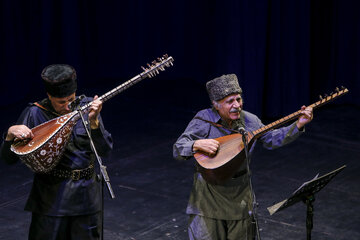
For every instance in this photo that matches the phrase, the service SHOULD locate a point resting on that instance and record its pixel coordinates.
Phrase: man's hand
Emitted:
(20, 132)
(95, 109)
(305, 117)
(209, 146)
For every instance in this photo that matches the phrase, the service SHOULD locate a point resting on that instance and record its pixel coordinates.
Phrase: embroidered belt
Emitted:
(75, 175)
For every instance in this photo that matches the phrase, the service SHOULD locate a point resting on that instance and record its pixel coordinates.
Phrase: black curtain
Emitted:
(285, 53)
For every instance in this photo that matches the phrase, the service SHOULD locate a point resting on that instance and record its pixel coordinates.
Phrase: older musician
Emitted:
(223, 211)
(64, 205)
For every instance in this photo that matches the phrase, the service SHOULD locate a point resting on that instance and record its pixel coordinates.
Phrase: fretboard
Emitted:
(153, 69)
(278, 123)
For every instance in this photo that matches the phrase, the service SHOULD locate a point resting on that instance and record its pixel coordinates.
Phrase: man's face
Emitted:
(229, 108)
(61, 104)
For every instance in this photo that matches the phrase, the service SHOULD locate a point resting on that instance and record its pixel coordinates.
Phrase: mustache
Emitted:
(235, 110)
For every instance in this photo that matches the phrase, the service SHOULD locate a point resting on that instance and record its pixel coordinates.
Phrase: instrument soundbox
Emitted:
(43, 152)
(231, 154)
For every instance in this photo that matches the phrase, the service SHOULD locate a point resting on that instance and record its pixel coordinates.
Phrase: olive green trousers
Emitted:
(203, 228)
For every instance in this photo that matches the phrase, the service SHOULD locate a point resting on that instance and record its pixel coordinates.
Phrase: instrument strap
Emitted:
(44, 108)
(216, 125)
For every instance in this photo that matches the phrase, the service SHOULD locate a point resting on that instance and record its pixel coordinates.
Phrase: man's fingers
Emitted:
(214, 146)
(24, 134)
(209, 146)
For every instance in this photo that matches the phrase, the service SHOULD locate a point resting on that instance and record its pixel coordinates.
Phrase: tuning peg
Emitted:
(325, 95)
(165, 56)
(331, 93)
(337, 89)
(321, 97)
(143, 68)
(342, 88)
(154, 62)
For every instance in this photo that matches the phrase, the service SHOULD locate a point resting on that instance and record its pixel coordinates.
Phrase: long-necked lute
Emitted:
(43, 152)
(231, 155)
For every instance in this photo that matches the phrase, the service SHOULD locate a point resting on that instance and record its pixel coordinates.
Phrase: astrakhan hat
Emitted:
(60, 80)
(223, 86)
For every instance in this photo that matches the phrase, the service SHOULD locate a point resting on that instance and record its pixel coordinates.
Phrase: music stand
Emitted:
(306, 193)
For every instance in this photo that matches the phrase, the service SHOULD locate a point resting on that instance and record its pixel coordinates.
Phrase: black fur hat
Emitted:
(223, 86)
(60, 80)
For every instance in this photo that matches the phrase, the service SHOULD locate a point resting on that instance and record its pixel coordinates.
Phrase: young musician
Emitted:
(65, 202)
(223, 211)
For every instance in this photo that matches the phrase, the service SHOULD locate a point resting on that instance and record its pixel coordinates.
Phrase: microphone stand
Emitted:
(254, 203)
(104, 174)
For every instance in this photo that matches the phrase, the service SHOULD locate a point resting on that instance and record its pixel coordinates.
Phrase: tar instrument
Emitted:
(43, 152)
(231, 154)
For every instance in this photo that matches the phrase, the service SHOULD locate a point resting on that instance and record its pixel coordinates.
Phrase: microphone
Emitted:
(76, 102)
(242, 131)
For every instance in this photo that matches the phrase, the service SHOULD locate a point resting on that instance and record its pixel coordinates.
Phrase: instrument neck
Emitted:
(116, 90)
(151, 71)
(278, 123)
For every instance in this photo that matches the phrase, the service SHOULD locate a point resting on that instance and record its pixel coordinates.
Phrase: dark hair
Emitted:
(59, 80)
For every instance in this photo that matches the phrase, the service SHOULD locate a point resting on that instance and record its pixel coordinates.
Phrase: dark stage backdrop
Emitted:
(285, 53)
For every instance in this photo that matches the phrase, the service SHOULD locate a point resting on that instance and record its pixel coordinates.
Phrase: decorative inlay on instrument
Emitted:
(43, 152)
(231, 154)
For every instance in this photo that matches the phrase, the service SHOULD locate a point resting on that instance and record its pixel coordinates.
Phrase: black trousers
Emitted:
(80, 227)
